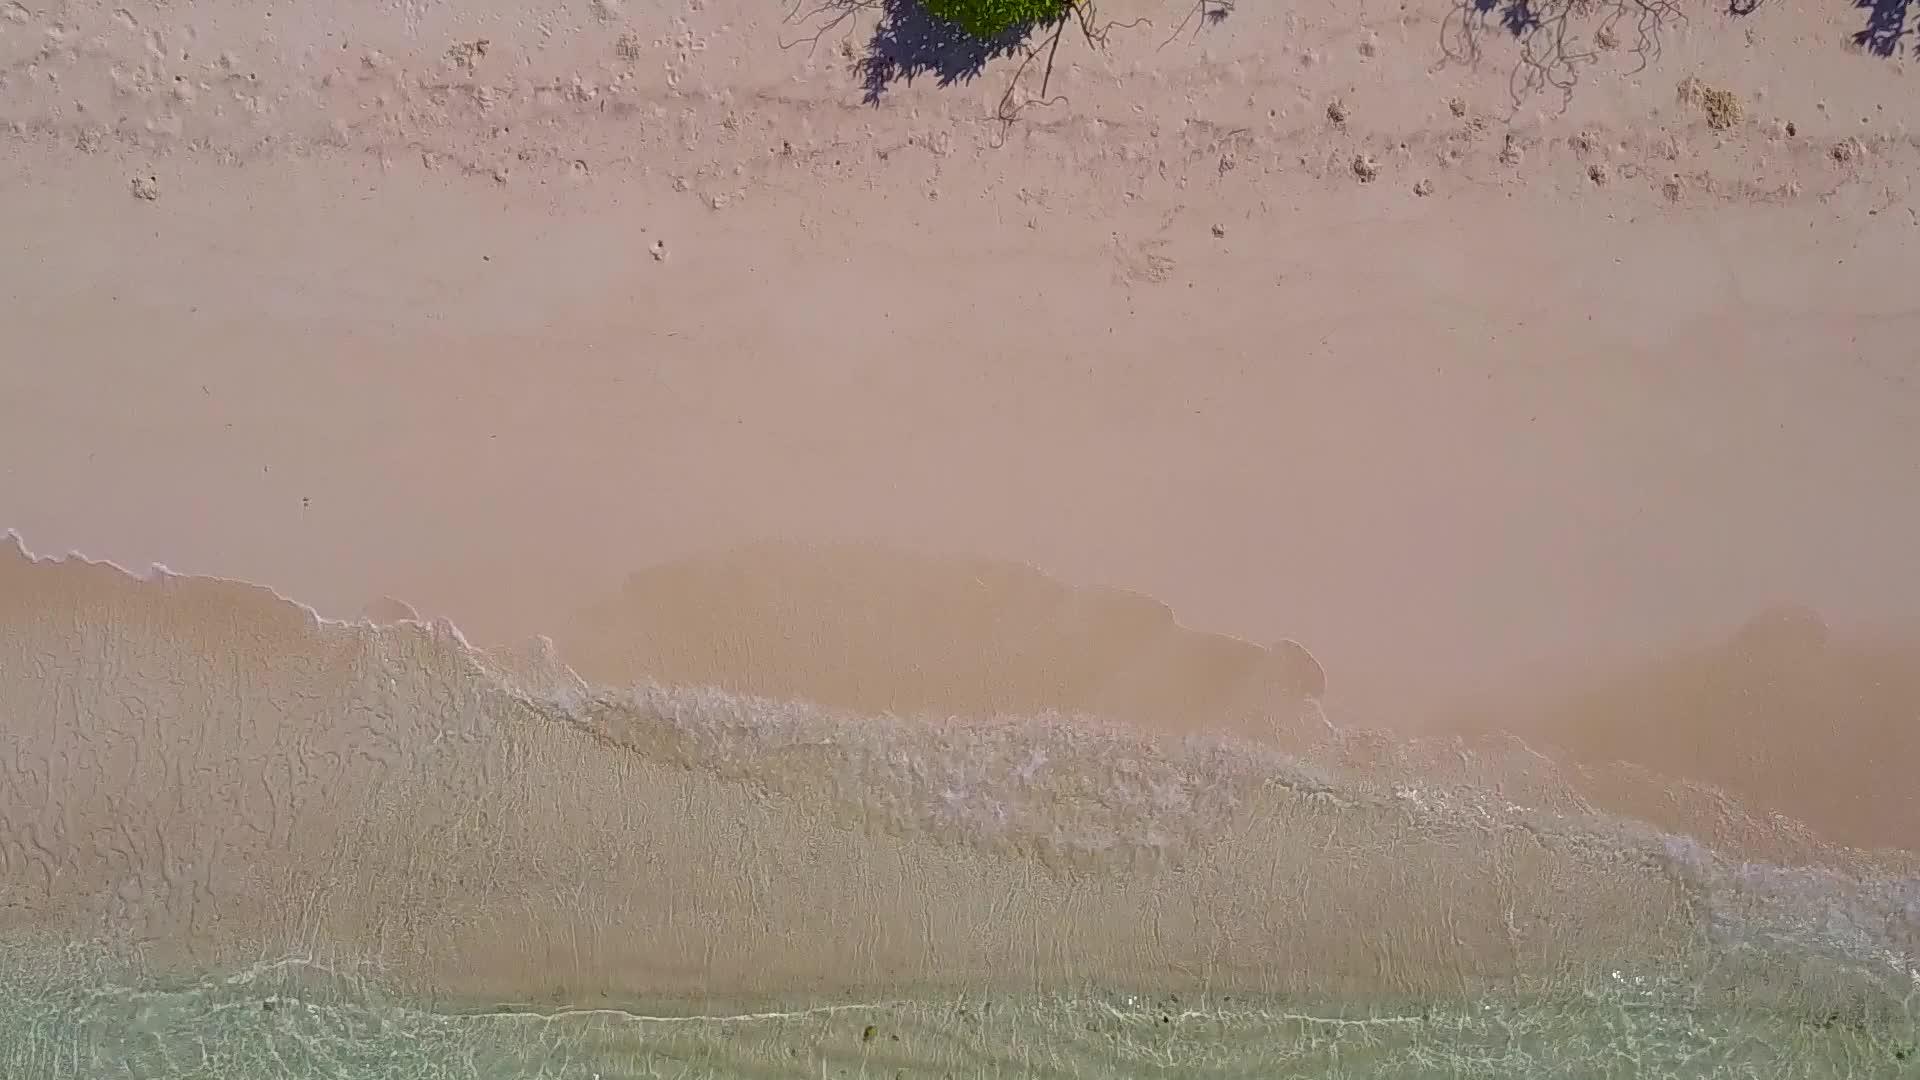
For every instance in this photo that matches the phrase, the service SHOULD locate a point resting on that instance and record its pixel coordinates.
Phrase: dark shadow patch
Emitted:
(907, 43)
(1886, 25)
(910, 44)
(1559, 38)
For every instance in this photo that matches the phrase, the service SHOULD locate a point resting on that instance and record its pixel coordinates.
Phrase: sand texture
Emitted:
(613, 538)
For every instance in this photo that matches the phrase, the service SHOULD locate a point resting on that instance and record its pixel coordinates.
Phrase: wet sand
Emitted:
(224, 806)
(880, 631)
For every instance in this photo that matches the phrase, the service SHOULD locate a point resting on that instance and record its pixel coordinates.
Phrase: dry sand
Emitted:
(393, 323)
(1294, 322)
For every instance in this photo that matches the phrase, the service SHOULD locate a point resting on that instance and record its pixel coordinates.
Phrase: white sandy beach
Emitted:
(1284, 374)
(1526, 418)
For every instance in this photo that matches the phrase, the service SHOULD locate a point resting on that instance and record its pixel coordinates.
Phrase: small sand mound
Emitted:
(1722, 107)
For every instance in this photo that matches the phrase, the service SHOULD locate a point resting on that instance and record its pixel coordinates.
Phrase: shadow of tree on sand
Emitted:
(909, 44)
(1559, 38)
(1886, 26)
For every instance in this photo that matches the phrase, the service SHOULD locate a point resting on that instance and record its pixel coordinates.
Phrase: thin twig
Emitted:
(1203, 13)
(1554, 47)
(844, 10)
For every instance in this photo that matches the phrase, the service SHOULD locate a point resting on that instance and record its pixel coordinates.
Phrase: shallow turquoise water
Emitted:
(61, 1020)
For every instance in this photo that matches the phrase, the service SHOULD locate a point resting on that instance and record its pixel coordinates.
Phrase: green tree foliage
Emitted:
(989, 20)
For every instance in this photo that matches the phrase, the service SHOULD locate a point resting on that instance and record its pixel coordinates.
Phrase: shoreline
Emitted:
(757, 471)
(1122, 1034)
(875, 846)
